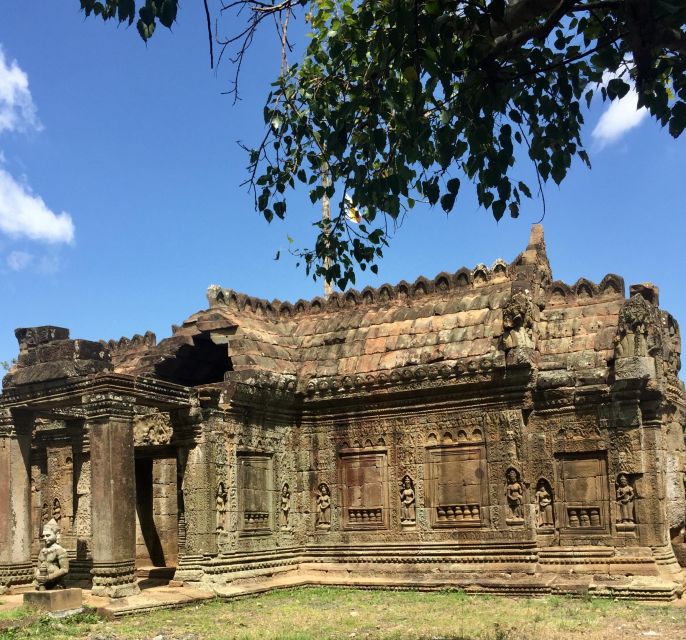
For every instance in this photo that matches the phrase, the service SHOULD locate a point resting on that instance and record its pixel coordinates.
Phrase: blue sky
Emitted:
(120, 196)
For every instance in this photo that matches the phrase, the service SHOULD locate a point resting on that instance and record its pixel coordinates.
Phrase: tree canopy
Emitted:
(400, 101)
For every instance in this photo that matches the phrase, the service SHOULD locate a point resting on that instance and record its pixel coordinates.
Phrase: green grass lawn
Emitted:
(317, 613)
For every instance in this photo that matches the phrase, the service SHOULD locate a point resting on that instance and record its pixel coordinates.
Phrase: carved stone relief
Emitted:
(515, 497)
(583, 481)
(626, 496)
(545, 518)
(221, 507)
(408, 510)
(152, 429)
(638, 329)
(255, 485)
(285, 509)
(323, 517)
(518, 322)
(363, 474)
(458, 486)
(57, 511)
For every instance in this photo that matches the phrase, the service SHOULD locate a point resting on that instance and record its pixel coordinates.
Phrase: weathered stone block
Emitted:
(55, 600)
(552, 379)
(635, 368)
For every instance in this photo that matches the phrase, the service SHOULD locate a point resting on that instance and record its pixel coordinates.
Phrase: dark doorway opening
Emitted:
(149, 550)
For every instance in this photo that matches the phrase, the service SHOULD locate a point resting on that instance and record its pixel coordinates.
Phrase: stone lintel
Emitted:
(63, 394)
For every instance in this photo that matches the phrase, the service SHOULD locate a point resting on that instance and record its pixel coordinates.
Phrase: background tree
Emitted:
(396, 101)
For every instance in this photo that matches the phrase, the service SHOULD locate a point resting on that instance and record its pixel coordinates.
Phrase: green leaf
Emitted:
(145, 30)
(617, 88)
(410, 74)
(677, 122)
(447, 202)
(453, 186)
(498, 209)
(126, 11)
(167, 13)
(523, 187)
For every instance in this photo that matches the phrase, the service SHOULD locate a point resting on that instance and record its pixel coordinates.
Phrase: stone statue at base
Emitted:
(53, 561)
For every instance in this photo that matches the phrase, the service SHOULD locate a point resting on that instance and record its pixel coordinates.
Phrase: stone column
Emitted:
(15, 499)
(113, 494)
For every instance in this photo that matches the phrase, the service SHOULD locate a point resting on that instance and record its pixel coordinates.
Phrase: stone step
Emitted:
(161, 574)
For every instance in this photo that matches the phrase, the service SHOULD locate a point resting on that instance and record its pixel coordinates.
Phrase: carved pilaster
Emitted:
(15, 499)
(113, 492)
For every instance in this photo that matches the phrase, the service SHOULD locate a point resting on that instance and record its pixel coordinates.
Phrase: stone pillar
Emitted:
(199, 501)
(651, 508)
(15, 499)
(113, 495)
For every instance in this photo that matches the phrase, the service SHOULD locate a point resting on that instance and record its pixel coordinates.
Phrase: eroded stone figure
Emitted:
(518, 322)
(222, 499)
(408, 513)
(324, 506)
(637, 329)
(625, 499)
(285, 505)
(544, 504)
(515, 495)
(57, 511)
(53, 561)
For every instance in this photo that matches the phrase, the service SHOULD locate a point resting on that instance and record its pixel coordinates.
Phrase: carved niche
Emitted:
(153, 429)
(222, 502)
(323, 515)
(625, 495)
(457, 485)
(408, 506)
(255, 490)
(364, 488)
(583, 484)
(545, 507)
(514, 493)
(285, 506)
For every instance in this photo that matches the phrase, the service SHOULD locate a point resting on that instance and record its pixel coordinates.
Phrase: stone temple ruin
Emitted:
(490, 429)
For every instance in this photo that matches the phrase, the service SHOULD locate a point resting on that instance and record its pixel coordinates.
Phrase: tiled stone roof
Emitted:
(438, 325)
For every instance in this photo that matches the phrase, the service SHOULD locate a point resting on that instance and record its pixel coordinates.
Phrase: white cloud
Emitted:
(621, 116)
(17, 110)
(19, 260)
(24, 214)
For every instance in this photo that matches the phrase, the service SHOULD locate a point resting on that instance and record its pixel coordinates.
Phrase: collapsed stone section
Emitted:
(47, 353)
(493, 429)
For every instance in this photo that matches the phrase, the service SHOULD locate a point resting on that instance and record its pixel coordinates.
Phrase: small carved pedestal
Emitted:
(55, 600)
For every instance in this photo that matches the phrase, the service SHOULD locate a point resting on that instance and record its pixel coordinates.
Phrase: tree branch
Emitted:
(538, 31)
(209, 33)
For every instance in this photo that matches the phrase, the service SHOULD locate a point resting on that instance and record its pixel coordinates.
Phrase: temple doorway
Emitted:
(156, 512)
